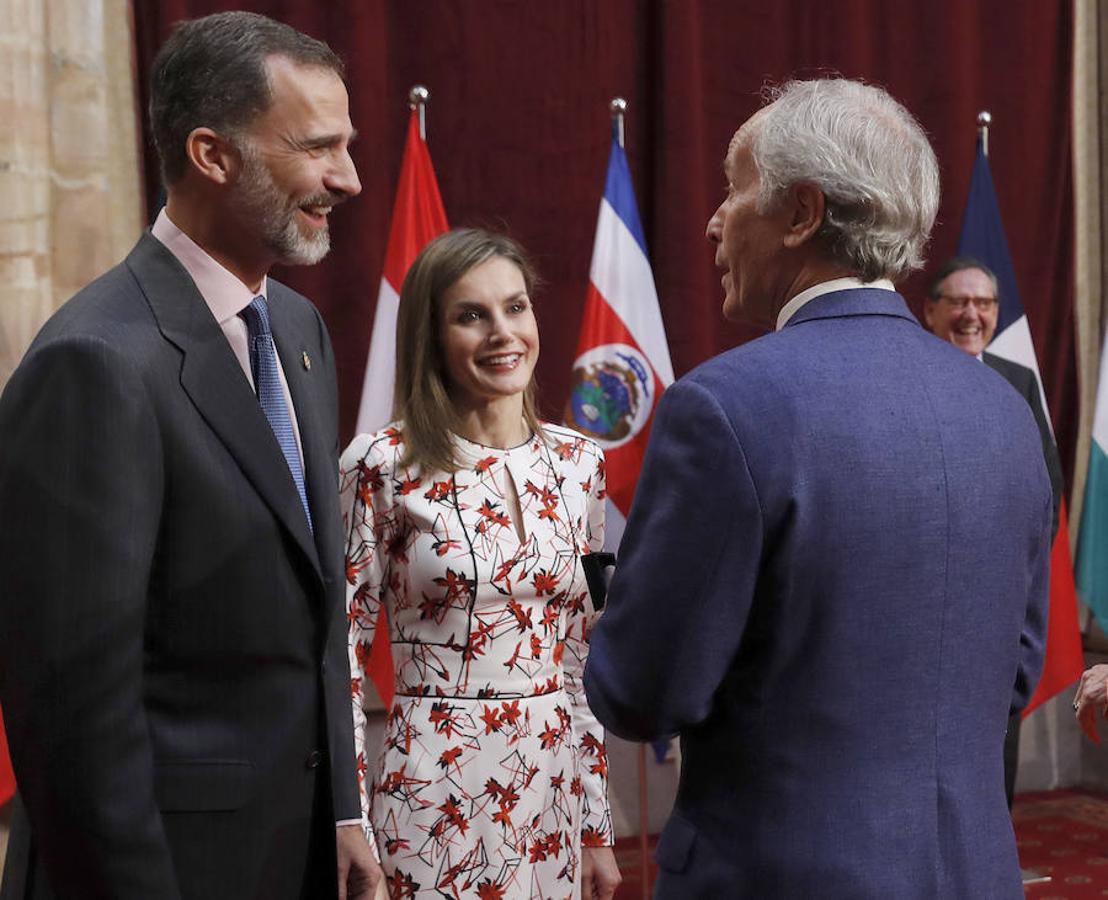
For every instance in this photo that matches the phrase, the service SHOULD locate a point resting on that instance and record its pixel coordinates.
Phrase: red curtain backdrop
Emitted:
(518, 130)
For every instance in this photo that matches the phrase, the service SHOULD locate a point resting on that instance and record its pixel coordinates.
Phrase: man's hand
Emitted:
(1091, 698)
(599, 873)
(359, 873)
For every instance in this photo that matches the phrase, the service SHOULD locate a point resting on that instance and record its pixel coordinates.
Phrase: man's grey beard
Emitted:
(262, 202)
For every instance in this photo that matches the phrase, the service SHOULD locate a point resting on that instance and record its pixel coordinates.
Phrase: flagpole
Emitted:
(417, 100)
(984, 120)
(618, 109)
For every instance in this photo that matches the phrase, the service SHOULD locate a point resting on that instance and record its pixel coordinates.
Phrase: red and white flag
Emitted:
(622, 363)
(7, 776)
(417, 218)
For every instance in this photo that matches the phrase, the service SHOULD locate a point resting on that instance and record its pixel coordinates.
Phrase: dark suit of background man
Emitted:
(962, 307)
(172, 641)
(825, 575)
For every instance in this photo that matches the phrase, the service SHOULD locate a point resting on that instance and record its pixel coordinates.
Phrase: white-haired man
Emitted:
(827, 585)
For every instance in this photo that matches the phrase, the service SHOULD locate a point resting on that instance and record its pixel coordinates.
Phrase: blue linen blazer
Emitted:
(833, 585)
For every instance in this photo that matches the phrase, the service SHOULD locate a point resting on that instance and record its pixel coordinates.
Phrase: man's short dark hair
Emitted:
(211, 73)
(959, 264)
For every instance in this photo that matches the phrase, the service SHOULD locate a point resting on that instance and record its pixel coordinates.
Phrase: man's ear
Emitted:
(806, 207)
(212, 155)
(929, 313)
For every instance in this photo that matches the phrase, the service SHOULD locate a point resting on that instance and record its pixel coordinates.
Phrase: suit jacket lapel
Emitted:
(214, 381)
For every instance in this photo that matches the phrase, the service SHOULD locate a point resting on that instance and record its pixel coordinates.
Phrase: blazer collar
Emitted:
(853, 302)
(213, 380)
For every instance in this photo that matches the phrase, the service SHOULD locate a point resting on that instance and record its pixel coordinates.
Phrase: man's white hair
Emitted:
(868, 155)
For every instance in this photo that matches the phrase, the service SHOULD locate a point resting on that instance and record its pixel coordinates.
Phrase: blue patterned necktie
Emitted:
(263, 365)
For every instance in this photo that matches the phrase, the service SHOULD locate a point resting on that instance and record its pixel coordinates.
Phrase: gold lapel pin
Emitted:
(306, 360)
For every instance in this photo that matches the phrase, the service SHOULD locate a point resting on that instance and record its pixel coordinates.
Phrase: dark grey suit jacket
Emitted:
(173, 667)
(1023, 380)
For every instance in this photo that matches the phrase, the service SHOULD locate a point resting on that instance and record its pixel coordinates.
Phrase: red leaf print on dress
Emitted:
(456, 584)
(439, 491)
(489, 511)
(452, 815)
(590, 837)
(484, 465)
(549, 736)
(491, 718)
(521, 615)
(449, 757)
(544, 582)
(441, 548)
(510, 712)
(442, 717)
(409, 485)
(401, 885)
(369, 479)
(488, 890)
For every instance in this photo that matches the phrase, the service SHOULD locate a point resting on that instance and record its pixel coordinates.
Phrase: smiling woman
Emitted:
(465, 303)
(465, 520)
(490, 342)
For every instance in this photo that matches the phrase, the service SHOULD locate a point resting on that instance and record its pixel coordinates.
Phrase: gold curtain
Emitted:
(69, 162)
(69, 158)
(1090, 105)
(1052, 751)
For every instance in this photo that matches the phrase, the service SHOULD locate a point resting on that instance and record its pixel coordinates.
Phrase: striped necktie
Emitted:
(263, 365)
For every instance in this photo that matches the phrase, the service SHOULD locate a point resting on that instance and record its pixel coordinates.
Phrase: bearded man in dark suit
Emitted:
(173, 666)
(827, 585)
(962, 307)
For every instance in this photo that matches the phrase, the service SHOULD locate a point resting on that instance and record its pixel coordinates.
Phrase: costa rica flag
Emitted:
(623, 362)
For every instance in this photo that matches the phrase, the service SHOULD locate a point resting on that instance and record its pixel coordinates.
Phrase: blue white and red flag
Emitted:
(623, 362)
(983, 238)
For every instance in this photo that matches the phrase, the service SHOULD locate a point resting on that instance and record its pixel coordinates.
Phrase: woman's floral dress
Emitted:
(493, 772)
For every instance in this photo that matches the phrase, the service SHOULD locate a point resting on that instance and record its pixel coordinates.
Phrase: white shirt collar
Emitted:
(225, 295)
(827, 287)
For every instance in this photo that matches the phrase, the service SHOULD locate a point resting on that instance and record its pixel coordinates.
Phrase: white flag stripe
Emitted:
(1100, 413)
(375, 409)
(621, 273)
(1015, 345)
(614, 524)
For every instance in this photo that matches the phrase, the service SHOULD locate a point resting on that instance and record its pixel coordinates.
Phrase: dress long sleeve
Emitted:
(369, 518)
(596, 819)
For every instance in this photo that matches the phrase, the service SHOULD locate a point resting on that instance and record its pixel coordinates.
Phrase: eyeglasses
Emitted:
(983, 304)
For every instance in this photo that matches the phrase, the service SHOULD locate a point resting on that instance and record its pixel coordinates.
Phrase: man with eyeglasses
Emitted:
(962, 307)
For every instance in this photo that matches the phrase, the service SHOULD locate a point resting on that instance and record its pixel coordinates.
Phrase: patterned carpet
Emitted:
(1064, 834)
(1060, 834)
(628, 859)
